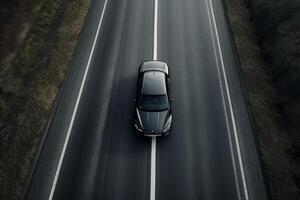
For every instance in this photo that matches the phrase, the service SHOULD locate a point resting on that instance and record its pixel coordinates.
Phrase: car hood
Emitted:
(152, 121)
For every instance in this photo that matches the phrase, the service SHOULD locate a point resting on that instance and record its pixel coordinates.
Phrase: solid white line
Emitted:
(230, 107)
(225, 111)
(153, 139)
(76, 106)
(155, 30)
(153, 168)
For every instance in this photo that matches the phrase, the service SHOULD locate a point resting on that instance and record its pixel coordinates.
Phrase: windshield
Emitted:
(153, 102)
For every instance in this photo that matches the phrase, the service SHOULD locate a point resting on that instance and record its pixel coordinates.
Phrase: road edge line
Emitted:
(57, 173)
(225, 111)
(236, 138)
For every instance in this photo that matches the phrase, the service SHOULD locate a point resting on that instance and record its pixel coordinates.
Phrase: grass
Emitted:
(38, 51)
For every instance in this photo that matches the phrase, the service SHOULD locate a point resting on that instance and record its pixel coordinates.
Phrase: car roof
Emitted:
(154, 83)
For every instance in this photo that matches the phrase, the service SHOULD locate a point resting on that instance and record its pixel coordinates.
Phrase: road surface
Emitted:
(91, 151)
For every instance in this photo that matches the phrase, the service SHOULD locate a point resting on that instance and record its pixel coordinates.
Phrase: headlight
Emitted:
(167, 128)
(168, 122)
(138, 128)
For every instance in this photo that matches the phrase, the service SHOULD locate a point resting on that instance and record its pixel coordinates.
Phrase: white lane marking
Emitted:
(153, 168)
(76, 106)
(153, 139)
(236, 138)
(155, 30)
(225, 111)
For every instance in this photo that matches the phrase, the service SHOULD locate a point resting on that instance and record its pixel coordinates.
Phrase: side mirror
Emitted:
(171, 100)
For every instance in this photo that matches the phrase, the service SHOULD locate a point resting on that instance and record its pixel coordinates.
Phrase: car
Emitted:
(153, 114)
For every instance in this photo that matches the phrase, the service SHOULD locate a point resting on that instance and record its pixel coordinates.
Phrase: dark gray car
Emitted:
(153, 116)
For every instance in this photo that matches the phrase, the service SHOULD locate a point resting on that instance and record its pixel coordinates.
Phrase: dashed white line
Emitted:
(76, 106)
(236, 138)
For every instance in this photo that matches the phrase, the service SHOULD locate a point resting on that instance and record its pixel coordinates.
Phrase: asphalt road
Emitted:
(91, 151)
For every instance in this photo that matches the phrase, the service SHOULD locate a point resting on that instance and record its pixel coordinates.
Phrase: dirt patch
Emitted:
(37, 43)
(264, 104)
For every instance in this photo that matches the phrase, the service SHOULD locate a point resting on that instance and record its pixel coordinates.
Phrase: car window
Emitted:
(153, 102)
(139, 84)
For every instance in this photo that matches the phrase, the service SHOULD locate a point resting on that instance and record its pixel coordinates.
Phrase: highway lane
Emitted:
(103, 151)
(196, 160)
(211, 155)
(104, 159)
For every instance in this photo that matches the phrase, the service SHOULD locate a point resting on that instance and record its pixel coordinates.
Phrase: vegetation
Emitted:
(37, 43)
(266, 33)
(278, 29)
